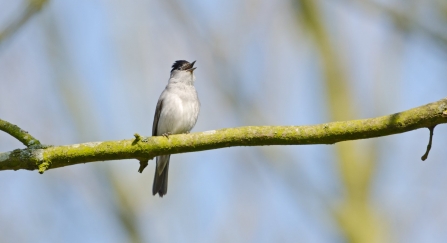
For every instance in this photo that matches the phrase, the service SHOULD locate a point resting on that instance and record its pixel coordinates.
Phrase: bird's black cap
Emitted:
(182, 65)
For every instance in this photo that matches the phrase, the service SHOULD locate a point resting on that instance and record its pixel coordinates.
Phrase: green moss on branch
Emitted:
(329, 133)
(19, 134)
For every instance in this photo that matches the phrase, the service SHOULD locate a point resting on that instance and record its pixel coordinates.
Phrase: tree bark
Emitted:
(50, 157)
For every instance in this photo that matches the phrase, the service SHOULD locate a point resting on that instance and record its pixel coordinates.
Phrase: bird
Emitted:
(176, 113)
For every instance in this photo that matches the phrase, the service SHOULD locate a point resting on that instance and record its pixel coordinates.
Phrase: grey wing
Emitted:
(157, 117)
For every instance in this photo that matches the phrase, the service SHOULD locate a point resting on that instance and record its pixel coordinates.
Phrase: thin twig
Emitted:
(425, 156)
(19, 134)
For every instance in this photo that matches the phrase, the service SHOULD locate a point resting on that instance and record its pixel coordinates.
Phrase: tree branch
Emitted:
(19, 134)
(33, 7)
(148, 147)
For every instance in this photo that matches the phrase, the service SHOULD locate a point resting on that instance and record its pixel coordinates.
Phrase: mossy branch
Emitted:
(148, 147)
(19, 134)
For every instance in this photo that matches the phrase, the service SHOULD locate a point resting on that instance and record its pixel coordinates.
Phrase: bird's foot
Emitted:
(166, 134)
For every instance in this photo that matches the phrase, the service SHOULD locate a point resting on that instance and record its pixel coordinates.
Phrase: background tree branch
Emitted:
(329, 133)
(33, 7)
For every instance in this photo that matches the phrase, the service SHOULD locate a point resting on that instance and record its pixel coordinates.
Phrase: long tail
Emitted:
(161, 176)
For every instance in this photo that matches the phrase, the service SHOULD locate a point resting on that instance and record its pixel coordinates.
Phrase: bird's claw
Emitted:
(166, 134)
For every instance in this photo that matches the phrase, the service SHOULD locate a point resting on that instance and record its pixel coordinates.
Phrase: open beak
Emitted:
(192, 68)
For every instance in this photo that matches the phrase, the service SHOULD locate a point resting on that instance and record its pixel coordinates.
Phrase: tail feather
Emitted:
(161, 179)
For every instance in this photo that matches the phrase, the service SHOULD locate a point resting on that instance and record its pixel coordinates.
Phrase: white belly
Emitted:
(177, 115)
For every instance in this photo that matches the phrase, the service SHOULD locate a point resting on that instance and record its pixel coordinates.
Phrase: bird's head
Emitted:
(183, 71)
